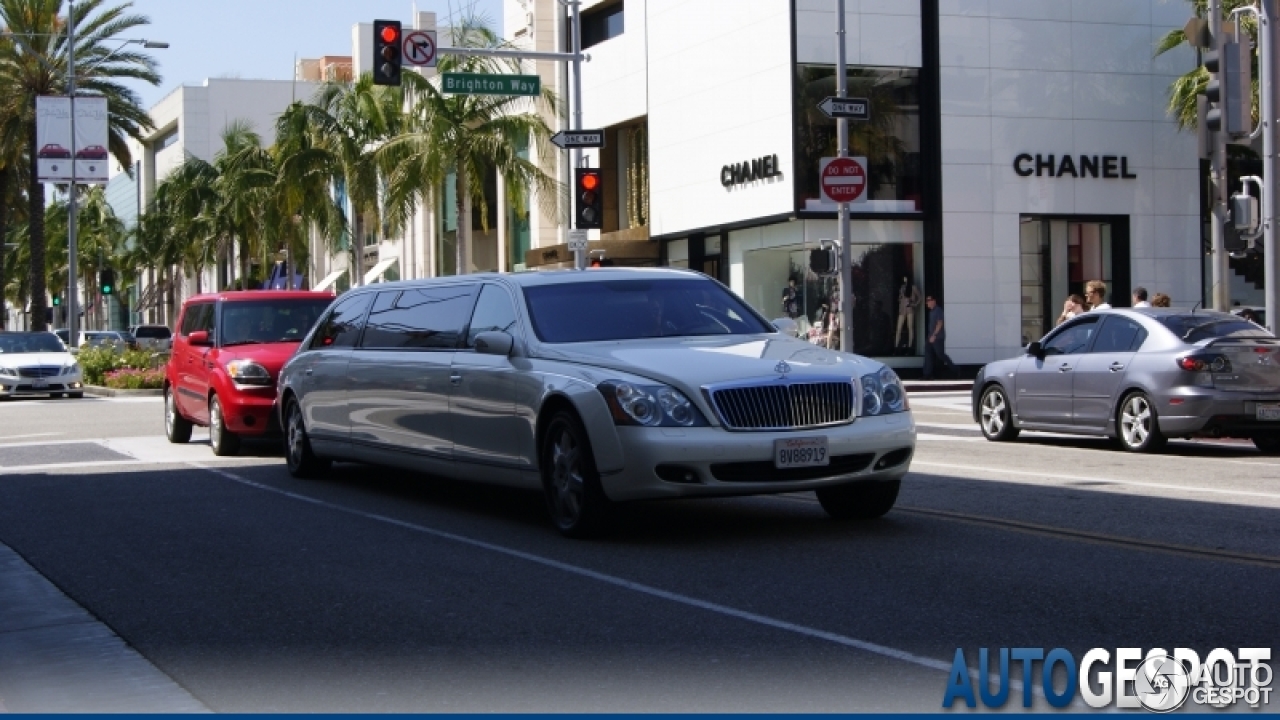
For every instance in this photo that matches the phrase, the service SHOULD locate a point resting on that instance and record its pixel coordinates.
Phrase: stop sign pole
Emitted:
(846, 250)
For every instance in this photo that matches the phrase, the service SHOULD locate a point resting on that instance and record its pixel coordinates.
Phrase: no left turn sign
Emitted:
(420, 48)
(843, 180)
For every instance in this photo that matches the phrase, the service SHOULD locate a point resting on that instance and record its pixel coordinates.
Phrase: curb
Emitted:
(99, 391)
(937, 386)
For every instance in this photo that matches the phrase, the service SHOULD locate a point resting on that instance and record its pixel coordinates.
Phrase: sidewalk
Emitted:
(937, 386)
(57, 658)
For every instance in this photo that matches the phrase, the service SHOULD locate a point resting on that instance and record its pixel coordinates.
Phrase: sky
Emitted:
(262, 38)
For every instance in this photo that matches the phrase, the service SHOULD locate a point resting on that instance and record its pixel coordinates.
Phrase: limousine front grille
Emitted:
(38, 371)
(784, 405)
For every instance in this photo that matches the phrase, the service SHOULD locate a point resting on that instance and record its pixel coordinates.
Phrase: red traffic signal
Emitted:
(386, 52)
(589, 199)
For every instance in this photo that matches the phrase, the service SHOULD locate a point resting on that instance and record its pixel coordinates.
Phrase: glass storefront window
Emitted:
(890, 140)
(888, 296)
(1058, 256)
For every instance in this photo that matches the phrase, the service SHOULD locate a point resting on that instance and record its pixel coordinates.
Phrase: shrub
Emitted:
(99, 361)
(135, 379)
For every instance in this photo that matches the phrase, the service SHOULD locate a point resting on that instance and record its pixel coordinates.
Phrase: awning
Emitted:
(329, 280)
(378, 270)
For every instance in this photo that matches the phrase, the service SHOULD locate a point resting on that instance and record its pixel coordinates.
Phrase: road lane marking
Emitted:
(31, 435)
(1113, 481)
(943, 666)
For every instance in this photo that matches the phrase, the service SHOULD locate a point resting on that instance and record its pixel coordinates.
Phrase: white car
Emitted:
(152, 337)
(596, 386)
(37, 363)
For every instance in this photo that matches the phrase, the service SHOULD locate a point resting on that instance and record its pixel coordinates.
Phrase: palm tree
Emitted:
(469, 136)
(302, 196)
(245, 174)
(37, 65)
(188, 199)
(1184, 89)
(347, 122)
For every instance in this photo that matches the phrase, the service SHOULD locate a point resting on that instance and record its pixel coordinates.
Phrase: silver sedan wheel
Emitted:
(1139, 425)
(995, 416)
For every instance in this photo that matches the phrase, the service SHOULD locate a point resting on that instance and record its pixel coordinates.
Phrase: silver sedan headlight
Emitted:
(882, 393)
(8, 372)
(649, 405)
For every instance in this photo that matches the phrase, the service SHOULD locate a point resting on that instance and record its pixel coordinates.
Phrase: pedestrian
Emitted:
(935, 349)
(1095, 292)
(1140, 297)
(1073, 306)
(791, 299)
(1250, 315)
(1161, 300)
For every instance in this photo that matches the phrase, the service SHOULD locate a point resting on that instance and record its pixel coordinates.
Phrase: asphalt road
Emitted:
(377, 590)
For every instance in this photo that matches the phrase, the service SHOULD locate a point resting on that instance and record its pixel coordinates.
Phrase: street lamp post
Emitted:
(73, 297)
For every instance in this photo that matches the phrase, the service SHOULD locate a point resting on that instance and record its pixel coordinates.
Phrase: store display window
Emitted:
(888, 297)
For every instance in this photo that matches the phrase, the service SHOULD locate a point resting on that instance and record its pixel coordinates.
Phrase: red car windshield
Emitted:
(246, 322)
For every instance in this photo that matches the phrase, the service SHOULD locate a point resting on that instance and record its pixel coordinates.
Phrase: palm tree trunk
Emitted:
(35, 236)
(357, 247)
(464, 221)
(4, 227)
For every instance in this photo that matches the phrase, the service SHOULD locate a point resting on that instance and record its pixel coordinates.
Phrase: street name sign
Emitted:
(566, 139)
(419, 48)
(843, 179)
(852, 108)
(483, 84)
(577, 240)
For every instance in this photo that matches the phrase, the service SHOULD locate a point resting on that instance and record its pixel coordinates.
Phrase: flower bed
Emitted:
(100, 361)
(135, 379)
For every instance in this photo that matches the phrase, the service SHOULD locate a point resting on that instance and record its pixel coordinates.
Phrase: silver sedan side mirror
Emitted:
(494, 342)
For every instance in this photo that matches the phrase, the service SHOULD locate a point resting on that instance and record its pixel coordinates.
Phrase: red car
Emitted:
(53, 150)
(226, 355)
(93, 152)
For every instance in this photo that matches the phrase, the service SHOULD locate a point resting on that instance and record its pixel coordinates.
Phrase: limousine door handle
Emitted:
(455, 379)
(308, 371)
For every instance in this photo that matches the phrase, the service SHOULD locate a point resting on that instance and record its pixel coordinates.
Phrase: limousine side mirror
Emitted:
(199, 337)
(494, 342)
(1035, 349)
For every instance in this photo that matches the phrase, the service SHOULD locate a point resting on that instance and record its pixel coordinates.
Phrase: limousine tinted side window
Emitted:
(341, 327)
(494, 311)
(431, 317)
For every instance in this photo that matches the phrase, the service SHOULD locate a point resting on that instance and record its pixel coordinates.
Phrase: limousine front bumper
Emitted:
(712, 462)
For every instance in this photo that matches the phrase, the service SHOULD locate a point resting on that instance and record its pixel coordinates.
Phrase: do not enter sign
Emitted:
(843, 180)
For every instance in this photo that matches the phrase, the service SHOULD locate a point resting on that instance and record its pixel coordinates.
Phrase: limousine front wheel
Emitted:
(302, 462)
(575, 499)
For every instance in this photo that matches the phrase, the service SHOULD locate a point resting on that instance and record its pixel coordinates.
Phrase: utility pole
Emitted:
(1220, 293)
(1267, 58)
(846, 250)
(73, 297)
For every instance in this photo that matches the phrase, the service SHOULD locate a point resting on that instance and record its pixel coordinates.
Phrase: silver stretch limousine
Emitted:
(597, 387)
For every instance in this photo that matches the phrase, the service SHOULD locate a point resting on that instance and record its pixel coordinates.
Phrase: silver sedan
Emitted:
(1140, 376)
(597, 387)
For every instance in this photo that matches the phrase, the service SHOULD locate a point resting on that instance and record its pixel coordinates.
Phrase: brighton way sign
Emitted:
(484, 84)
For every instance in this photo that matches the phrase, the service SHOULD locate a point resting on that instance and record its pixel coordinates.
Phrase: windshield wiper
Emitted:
(242, 342)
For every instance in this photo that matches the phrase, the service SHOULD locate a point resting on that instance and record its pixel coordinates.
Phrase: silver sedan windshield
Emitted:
(635, 309)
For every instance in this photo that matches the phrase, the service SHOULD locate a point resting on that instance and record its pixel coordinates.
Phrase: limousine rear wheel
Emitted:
(861, 500)
(302, 462)
(575, 499)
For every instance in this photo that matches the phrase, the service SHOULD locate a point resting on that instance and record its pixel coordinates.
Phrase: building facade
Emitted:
(1015, 150)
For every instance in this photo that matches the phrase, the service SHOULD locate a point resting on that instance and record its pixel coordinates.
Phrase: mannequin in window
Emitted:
(908, 301)
(791, 299)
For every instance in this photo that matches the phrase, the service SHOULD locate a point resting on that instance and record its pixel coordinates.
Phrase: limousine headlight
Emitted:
(248, 372)
(649, 405)
(882, 393)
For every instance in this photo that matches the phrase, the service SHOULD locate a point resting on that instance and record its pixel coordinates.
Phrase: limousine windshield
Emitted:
(636, 309)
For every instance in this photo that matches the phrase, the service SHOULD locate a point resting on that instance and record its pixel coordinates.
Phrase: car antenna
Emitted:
(1193, 307)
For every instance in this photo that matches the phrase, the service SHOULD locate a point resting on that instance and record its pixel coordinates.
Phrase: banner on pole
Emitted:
(58, 150)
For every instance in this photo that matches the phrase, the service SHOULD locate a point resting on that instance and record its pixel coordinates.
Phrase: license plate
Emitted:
(800, 452)
(39, 383)
(1268, 411)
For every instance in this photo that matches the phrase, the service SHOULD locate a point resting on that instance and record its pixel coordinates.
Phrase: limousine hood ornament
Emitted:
(782, 368)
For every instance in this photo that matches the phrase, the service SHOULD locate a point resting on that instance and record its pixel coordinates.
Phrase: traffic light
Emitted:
(589, 199)
(57, 300)
(824, 261)
(601, 262)
(107, 281)
(386, 52)
(1230, 88)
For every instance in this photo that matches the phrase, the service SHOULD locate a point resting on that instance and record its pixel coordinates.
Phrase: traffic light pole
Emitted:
(1220, 292)
(1267, 115)
(846, 244)
(73, 303)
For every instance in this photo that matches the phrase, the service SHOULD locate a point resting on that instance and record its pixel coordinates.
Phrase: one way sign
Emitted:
(566, 139)
(852, 108)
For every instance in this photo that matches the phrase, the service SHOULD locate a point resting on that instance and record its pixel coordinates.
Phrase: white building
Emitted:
(1017, 149)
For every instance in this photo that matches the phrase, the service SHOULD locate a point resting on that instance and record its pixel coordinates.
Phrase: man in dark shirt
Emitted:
(935, 349)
